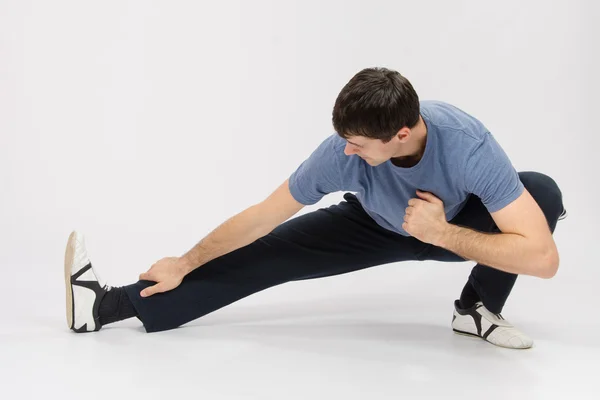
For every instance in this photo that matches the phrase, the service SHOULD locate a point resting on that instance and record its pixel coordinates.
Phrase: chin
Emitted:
(373, 163)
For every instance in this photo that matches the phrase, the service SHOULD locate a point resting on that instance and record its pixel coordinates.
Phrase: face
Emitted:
(374, 151)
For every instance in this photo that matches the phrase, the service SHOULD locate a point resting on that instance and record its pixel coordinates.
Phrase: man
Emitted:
(431, 183)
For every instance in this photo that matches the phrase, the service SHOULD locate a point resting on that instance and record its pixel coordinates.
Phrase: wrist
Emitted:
(445, 233)
(187, 264)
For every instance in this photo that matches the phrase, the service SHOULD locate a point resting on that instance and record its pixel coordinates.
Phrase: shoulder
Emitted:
(328, 156)
(450, 120)
(336, 142)
(331, 149)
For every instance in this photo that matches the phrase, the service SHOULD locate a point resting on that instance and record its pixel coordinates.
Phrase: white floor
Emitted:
(355, 336)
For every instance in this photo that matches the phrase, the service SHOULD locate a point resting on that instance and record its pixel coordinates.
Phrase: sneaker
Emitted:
(480, 322)
(83, 288)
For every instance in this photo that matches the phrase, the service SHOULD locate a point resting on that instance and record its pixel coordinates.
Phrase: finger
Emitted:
(405, 226)
(149, 291)
(428, 196)
(146, 276)
(416, 202)
(408, 211)
(423, 195)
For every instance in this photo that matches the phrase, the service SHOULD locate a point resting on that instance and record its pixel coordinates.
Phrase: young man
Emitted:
(431, 183)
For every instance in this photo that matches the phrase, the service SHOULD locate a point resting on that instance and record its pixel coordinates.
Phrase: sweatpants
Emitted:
(329, 241)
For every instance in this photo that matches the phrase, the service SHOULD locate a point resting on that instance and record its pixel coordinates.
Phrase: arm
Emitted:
(316, 176)
(525, 245)
(244, 228)
(238, 231)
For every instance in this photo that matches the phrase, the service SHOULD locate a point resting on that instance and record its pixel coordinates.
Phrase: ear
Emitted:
(403, 134)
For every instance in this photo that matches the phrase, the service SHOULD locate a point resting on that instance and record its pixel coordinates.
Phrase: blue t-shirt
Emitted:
(461, 158)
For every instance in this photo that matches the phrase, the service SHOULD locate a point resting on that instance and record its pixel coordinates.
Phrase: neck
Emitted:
(419, 134)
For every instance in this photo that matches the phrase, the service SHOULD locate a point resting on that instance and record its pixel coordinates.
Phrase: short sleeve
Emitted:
(491, 176)
(318, 175)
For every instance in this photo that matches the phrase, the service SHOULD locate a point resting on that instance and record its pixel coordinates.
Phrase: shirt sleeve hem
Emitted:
(500, 204)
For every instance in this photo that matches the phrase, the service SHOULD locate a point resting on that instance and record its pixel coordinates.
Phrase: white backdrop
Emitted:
(146, 124)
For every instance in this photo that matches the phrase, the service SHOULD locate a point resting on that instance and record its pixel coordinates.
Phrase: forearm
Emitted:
(504, 251)
(238, 231)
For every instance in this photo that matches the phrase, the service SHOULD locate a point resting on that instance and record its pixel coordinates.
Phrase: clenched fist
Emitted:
(425, 218)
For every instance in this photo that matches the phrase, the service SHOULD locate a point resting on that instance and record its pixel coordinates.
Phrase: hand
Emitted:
(167, 273)
(425, 218)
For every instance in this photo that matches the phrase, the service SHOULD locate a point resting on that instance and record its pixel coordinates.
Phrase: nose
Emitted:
(350, 149)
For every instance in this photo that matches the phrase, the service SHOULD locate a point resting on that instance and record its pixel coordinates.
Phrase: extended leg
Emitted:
(326, 242)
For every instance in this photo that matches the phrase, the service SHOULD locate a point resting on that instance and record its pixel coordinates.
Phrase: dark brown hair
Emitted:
(375, 103)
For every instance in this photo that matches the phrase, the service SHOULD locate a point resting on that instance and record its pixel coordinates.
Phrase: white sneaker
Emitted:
(479, 321)
(83, 288)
